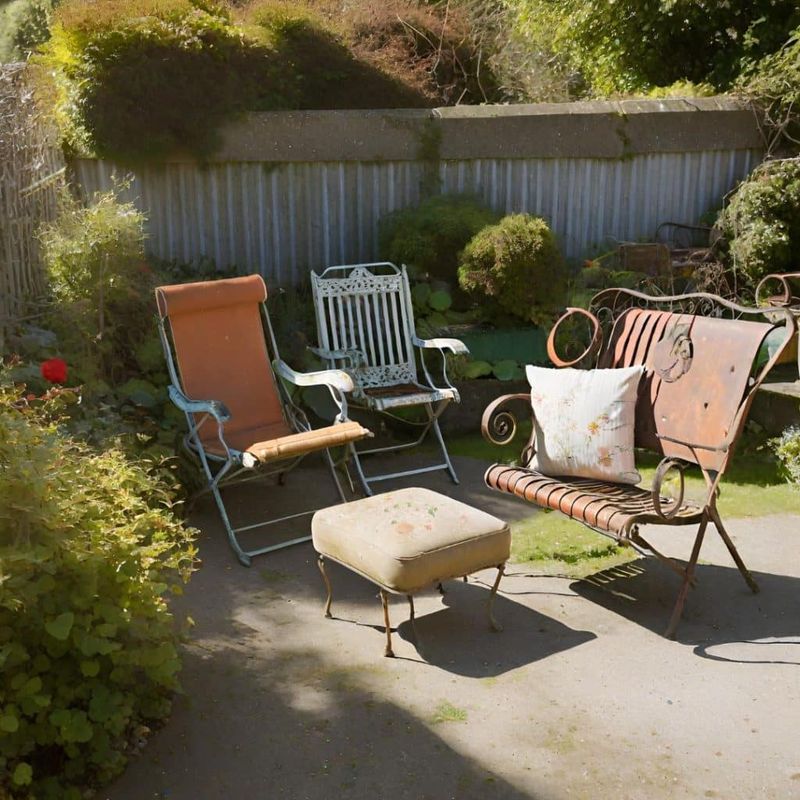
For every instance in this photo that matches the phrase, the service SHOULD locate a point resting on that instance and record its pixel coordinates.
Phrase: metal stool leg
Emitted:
(321, 565)
(388, 652)
(493, 623)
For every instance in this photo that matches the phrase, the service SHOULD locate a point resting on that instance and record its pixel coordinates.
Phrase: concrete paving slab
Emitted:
(579, 697)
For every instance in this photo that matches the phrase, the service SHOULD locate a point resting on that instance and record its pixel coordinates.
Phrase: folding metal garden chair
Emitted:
(365, 325)
(239, 416)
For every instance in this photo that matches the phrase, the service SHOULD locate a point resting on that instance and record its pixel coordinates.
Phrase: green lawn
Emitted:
(752, 487)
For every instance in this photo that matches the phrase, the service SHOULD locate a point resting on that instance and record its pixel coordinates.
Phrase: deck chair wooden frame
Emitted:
(365, 326)
(222, 369)
(703, 365)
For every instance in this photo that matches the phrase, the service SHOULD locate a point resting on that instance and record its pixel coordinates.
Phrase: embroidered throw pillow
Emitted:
(584, 422)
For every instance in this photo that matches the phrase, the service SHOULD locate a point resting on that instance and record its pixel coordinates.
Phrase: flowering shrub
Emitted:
(89, 551)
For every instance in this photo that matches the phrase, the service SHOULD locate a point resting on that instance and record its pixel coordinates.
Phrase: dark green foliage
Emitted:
(761, 221)
(516, 264)
(773, 83)
(89, 550)
(787, 448)
(430, 236)
(635, 45)
(146, 79)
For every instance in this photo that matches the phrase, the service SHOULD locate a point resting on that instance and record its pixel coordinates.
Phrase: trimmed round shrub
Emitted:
(430, 236)
(89, 551)
(518, 265)
(761, 221)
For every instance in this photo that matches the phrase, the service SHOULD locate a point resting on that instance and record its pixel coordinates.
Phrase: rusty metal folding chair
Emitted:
(239, 416)
(365, 325)
(703, 365)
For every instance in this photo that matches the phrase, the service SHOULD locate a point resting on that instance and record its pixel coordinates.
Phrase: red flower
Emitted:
(54, 370)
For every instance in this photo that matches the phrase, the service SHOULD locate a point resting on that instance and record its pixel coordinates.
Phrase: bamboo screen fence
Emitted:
(31, 174)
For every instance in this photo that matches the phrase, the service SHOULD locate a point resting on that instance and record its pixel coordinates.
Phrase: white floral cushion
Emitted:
(584, 422)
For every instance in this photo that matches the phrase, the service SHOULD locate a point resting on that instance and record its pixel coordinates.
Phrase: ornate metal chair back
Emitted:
(366, 310)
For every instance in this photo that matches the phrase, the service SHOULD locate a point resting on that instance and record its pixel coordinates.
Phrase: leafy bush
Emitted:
(150, 77)
(517, 264)
(144, 79)
(430, 236)
(89, 550)
(787, 448)
(95, 259)
(633, 46)
(773, 83)
(761, 221)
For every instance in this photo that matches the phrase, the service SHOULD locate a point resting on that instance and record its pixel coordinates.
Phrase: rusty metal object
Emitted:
(652, 258)
(493, 623)
(779, 289)
(700, 354)
(388, 652)
(592, 349)
(329, 599)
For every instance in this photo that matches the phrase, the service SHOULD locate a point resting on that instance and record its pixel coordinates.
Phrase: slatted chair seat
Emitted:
(611, 507)
(384, 397)
(702, 364)
(365, 326)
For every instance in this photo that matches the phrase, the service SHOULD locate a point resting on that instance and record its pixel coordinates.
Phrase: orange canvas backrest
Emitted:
(220, 349)
(696, 378)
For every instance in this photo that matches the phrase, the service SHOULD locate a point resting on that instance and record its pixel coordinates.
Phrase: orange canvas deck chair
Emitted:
(239, 416)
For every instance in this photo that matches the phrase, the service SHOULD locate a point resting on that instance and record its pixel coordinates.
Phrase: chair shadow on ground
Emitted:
(722, 619)
(457, 637)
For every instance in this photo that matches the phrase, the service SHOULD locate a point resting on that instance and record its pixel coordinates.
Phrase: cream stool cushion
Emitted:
(410, 538)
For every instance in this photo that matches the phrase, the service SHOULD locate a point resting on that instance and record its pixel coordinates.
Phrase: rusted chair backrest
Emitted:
(220, 348)
(696, 387)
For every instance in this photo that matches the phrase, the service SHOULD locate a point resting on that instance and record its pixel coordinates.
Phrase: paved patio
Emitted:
(579, 697)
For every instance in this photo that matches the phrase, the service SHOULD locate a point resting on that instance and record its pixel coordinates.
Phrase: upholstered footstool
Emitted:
(407, 540)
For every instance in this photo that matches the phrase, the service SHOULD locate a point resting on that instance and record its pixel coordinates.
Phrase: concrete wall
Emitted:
(293, 191)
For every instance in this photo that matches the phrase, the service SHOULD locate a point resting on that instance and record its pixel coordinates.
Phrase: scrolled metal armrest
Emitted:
(665, 466)
(216, 408)
(498, 425)
(337, 378)
(591, 350)
(455, 346)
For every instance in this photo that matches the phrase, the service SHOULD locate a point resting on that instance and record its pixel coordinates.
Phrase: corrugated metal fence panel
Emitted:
(284, 219)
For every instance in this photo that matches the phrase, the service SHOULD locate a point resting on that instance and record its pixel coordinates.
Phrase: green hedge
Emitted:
(145, 79)
(89, 551)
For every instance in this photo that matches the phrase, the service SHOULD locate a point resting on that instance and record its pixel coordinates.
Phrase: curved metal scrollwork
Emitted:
(499, 425)
(594, 345)
(666, 466)
(779, 290)
(673, 355)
